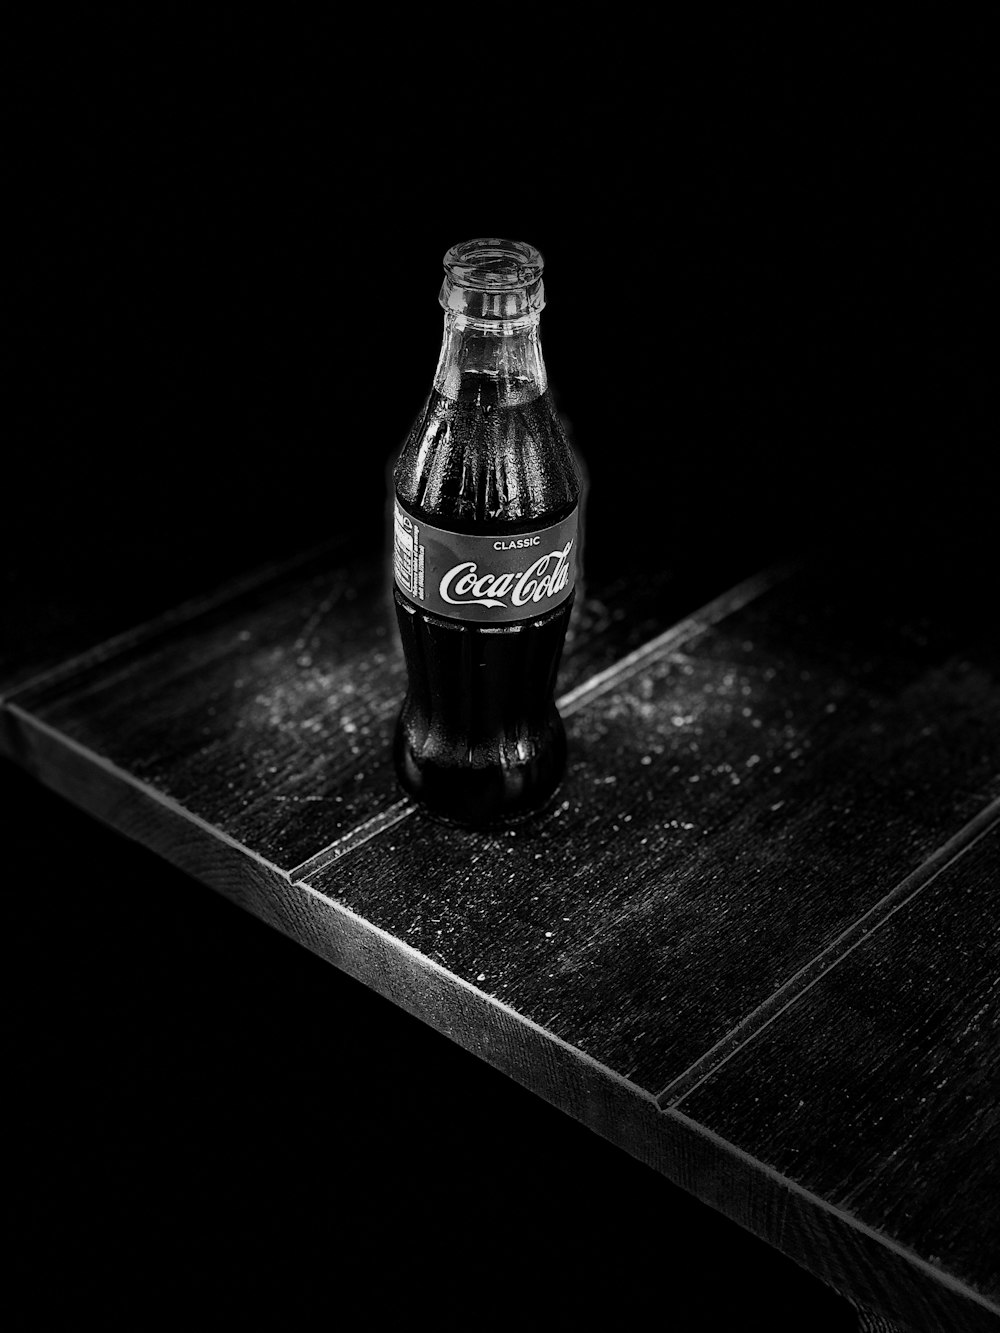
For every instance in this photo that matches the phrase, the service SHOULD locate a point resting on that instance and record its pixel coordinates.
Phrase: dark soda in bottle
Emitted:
(486, 552)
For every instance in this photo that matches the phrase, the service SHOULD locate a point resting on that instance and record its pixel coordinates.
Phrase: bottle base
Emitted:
(483, 797)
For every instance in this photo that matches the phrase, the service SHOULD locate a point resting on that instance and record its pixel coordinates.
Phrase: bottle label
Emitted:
(486, 580)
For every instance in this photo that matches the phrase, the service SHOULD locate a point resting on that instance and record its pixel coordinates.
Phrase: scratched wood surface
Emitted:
(734, 803)
(898, 1046)
(749, 782)
(269, 713)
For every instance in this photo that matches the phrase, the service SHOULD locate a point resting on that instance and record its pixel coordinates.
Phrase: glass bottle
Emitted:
(486, 549)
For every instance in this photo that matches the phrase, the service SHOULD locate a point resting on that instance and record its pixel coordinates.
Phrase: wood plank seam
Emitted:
(684, 630)
(354, 838)
(940, 1275)
(754, 1023)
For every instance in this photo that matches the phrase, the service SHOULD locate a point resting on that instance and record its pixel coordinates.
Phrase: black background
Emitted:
(768, 258)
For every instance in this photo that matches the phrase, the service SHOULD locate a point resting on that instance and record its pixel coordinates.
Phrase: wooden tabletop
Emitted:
(752, 942)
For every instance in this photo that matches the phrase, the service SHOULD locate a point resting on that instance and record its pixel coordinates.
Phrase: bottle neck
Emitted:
(490, 361)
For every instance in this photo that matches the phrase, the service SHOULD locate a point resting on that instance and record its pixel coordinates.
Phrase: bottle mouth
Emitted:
(491, 279)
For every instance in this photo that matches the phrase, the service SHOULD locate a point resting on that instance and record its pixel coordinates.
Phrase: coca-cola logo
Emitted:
(463, 585)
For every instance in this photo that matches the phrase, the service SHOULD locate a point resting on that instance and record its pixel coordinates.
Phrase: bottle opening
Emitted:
(493, 264)
(491, 278)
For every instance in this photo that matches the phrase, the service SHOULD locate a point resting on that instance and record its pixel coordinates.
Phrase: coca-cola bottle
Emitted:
(486, 551)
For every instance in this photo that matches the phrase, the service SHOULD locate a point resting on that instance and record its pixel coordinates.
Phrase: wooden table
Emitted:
(754, 942)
